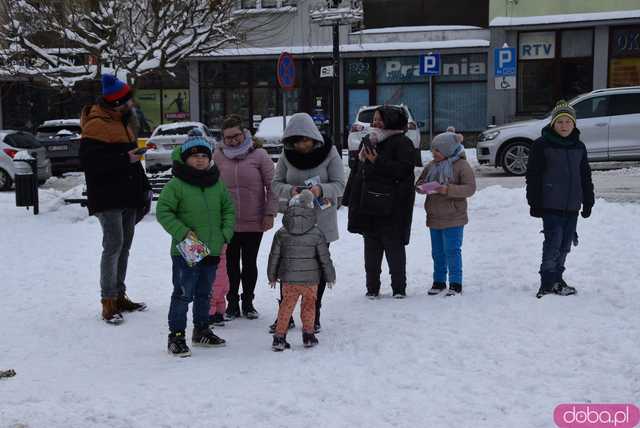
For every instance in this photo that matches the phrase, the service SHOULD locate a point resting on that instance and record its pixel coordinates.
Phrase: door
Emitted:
(624, 136)
(593, 123)
(357, 98)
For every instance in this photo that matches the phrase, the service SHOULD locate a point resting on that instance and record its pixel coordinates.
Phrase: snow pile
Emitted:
(629, 172)
(493, 357)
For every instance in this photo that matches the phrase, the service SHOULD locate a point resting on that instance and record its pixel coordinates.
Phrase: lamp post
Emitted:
(334, 16)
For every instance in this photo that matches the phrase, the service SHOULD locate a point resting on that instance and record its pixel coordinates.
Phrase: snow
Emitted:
(347, 48)
(271, 127)
(493, 357)
(628, 172)
(389, 30)
(505, 21)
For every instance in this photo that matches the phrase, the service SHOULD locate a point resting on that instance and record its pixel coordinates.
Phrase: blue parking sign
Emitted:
(505, 61)
(430, 65)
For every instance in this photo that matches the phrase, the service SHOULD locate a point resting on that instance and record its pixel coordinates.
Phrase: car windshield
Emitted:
(366, 116)
(184, 130)
(45, 131)
(22, 141)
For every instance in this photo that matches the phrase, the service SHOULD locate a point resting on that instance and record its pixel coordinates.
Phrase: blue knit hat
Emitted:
(115, 91)
(195, 143)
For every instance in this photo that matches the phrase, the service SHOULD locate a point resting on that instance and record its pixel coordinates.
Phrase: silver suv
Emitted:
(608, 120)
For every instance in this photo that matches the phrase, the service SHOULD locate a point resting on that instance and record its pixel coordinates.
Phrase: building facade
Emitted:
(563, 49)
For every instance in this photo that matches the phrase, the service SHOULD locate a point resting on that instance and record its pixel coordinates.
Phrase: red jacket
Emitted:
(249, 182)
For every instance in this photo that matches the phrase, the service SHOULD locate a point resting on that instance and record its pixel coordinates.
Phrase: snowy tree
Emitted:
(71, 41)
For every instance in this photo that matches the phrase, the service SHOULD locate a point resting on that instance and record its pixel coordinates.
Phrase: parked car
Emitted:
(362, 123)
(609, 124)
(167, 137)
(269, 133)
(62, 139)
(11, 142)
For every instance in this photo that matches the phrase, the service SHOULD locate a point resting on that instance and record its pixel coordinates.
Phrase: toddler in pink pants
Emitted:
(219, 293)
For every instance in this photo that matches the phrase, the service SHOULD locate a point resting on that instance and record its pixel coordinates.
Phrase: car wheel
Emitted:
(515, 158)
(5, 180)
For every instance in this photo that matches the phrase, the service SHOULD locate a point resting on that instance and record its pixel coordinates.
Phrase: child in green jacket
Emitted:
(194, 204)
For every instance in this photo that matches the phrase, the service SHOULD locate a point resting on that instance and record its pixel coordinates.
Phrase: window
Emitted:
(592, 107)
(416, 97)
(292, 3)
(22, 141)
(237, 101)
(248, 4)
(236, 74)
(625, 104)
(269, 4)
(535, 86)
(462, 105)
(576, 43)
(212, 105)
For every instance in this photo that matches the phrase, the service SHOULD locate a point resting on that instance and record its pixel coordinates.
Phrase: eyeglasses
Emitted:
(233, 137)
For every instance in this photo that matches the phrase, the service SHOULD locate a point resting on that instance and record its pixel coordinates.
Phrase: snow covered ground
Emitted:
(493, 357)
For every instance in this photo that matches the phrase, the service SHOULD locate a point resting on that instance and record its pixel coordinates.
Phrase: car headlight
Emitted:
(489, 135)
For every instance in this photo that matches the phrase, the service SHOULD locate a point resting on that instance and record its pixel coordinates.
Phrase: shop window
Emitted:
(236, 74)
(269, 4)
(576, 43)
(592, 107)
(265, 73)
(626, 104)
(211, 73)
(416, 97)
(237, 102)
(461, 105)
(399, 70)
(357, 98)
(212, 107)
(535, 86)
(248, 4)
(358, 71)
(624, 72)
(624, 65)
(291, 3)
(264, 103)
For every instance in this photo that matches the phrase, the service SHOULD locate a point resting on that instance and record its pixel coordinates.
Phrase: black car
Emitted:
(61, 138)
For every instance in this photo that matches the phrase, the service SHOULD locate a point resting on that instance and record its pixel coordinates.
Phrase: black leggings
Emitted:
(243, 246)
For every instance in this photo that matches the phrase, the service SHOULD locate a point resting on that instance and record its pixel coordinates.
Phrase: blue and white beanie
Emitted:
(195, 143)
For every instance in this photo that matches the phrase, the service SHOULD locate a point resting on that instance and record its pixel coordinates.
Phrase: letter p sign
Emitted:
(430, 65)
(505, 62)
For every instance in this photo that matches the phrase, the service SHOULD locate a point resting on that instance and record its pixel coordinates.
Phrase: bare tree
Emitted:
(75, 41)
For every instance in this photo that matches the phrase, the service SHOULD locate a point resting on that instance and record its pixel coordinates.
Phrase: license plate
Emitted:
(58, 148)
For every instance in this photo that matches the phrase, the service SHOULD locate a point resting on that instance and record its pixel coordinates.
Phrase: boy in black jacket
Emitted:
(558, 185)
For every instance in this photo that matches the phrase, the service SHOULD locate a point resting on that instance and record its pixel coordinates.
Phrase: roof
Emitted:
(505, 21)
(55, 122)
(364, 47)
(424, 28)
(180, 125)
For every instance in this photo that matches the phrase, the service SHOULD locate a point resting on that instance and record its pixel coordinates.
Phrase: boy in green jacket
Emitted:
(194, 204)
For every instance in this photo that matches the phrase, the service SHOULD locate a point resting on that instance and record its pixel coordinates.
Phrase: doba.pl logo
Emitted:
(596, 415)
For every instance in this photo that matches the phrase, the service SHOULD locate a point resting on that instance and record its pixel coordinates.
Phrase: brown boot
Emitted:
(126, 305)
(110, 312)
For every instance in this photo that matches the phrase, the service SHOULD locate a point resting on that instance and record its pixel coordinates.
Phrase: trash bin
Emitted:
(26, 180)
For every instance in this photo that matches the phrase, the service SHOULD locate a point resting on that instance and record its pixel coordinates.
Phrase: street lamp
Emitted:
(334, 16)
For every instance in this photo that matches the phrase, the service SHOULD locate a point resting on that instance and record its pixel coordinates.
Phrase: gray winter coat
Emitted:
(330, 171)
(299, 252)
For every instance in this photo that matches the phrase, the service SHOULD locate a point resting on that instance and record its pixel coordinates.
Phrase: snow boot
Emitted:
(437, 288)
(233, 311)
(563, 289)
(249, 311)
(177, 345)
(371, 295)
(454, 289)
(110, 313)
(399, 295)
(309, 340)
(316, 325)
(279, 343)
(126, 305)
(544, 290)
(203, 336)
(272, 327)
(216, 319)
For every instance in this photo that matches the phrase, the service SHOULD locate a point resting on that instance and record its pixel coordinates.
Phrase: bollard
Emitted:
(26, 181)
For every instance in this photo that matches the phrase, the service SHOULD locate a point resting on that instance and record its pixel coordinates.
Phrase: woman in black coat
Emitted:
(380, 196)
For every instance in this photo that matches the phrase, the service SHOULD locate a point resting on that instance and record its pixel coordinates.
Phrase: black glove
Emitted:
(535, 212)
(586, 212)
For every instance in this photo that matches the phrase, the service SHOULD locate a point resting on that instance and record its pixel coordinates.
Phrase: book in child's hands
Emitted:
(193, 250)
(430, 187)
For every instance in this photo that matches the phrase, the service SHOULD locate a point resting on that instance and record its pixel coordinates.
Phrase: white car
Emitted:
(270, 132)
(362, 123)
(11, 142)
(167, 137)
(609, 124)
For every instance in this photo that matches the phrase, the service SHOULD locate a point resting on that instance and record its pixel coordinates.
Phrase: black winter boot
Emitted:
(563, 289)
(454, 289)
(437, 288)
(233, 310)
(279, 343)
(177, 345)
(203, 336)
(309, 340)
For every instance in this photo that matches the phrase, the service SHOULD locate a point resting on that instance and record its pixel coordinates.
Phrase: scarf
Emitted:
(549, 134)
(442, 171)
(377, 135)
(309, 160)
(241, 150)
(196, 177)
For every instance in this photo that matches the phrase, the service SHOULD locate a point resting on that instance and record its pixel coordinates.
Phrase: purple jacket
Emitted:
(249, 182)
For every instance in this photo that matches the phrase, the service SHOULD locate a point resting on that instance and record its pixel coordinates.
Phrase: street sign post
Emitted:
(430, 66)
(505, 68)
(286, 76)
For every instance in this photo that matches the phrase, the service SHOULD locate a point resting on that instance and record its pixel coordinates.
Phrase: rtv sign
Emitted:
(539, 45)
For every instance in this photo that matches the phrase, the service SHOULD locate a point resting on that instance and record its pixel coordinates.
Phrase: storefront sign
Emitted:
(452, 67)
(537, 45)
(626, 42)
